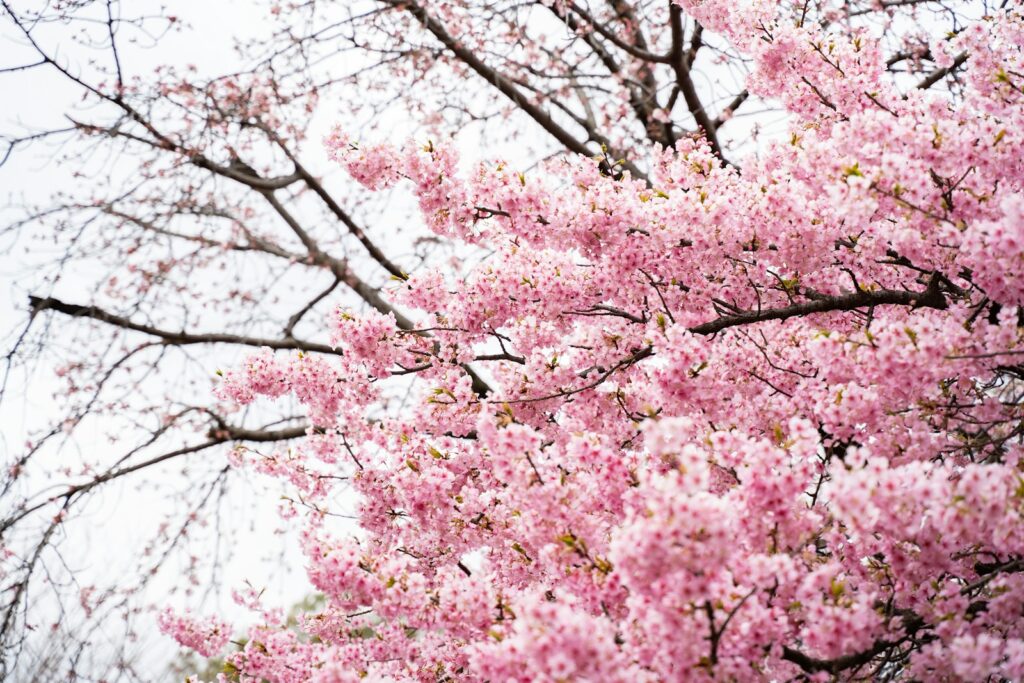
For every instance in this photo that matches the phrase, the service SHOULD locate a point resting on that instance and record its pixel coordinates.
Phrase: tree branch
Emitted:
(681, 66)
(931, 297)
(38, 304)
(937, 75)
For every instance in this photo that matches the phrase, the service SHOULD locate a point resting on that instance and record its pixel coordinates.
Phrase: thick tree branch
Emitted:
(172, 338)
(912, 623)
(684, 80)
(937, 75)
(931, 297)
(40, 304)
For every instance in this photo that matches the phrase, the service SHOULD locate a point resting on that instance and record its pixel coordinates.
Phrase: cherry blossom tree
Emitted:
(655, 396)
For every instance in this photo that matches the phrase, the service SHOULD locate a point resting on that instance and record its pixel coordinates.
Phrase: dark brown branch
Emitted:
(937, 75)
(684, 81)
(931, 297)
(912, 624)
(294, 320)
(501, 356)
(731, 108)
(38, 305)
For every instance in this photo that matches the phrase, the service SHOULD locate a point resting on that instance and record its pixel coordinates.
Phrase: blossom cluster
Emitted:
(722, 423)
(207, 635)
